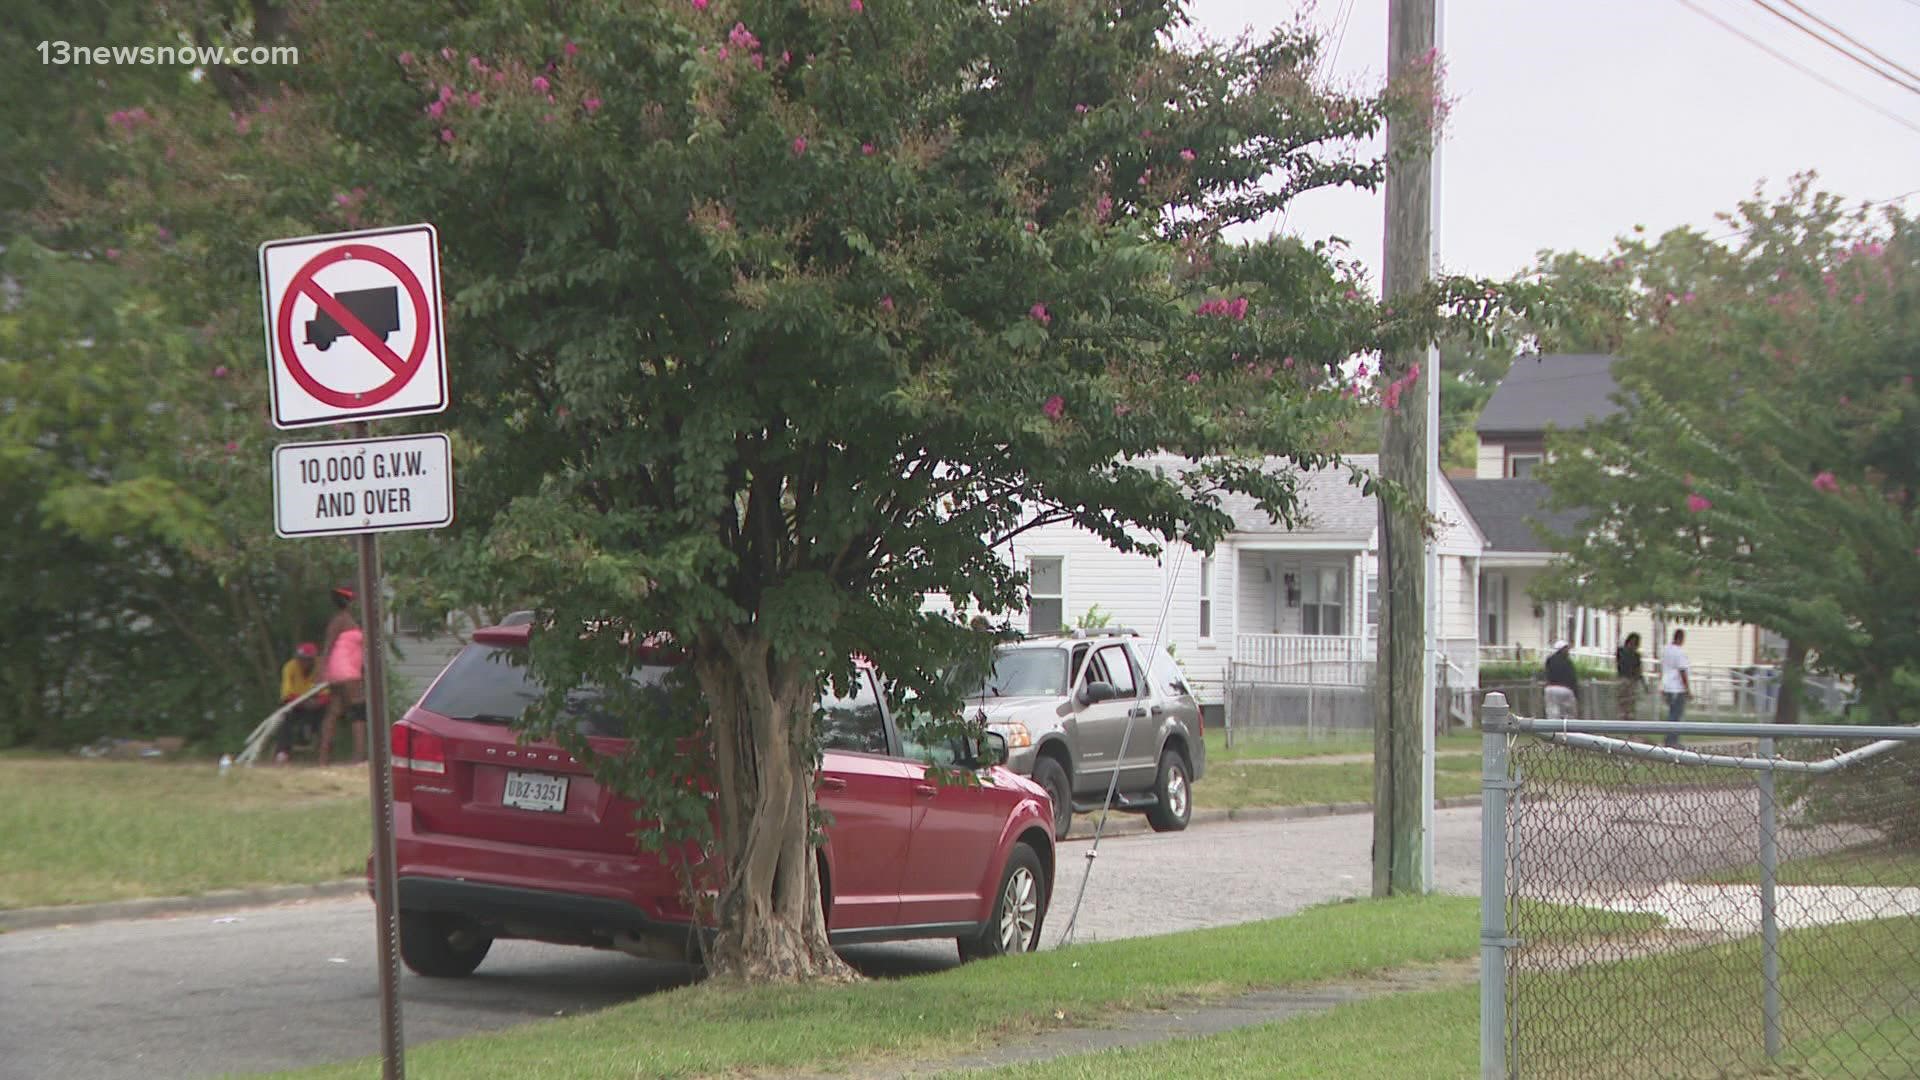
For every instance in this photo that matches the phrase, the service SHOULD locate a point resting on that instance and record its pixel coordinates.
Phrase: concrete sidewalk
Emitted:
(1126, 1030)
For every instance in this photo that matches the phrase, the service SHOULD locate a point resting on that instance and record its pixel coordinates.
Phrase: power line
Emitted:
(1856, 42)
(1798, 66)
(1835, 46)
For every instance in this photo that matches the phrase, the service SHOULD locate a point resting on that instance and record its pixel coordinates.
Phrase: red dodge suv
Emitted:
(500, 839)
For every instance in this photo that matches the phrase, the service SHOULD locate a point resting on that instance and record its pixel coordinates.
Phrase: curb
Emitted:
(1134, 824)
(219, 900)
(228, 899)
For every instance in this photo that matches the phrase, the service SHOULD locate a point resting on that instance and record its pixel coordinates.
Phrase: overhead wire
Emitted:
(1856, 42)
(1834, 45)
(1797, 66)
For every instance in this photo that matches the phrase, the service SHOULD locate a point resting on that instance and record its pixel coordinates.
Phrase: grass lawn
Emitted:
(1235, 786)
(1849, 1012)
(709, 1030)
(80, 831)
(1866, 867)
(1290, 743)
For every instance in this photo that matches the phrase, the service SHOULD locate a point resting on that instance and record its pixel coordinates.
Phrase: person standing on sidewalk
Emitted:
(1676, 681)
(1626, 665)
(1563, 683)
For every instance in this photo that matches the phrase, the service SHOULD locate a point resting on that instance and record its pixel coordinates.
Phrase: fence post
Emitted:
(1494, 786)
(1226, 706)
(1769, 923)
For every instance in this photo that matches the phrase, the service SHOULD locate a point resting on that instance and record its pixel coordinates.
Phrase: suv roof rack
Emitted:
(1081, 633)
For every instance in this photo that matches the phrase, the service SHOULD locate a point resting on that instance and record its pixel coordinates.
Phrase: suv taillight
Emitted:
(415, 750)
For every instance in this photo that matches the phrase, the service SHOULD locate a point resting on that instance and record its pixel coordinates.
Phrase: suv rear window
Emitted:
(489, 684)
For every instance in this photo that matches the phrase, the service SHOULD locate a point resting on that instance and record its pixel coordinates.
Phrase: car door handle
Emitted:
(925, 791)
(1136, 713)
(1158, 710)
(832, 783)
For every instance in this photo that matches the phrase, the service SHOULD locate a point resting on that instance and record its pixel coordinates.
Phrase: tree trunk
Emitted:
(1792, 681)
(771, 925)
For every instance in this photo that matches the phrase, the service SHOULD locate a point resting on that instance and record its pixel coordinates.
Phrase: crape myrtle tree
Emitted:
(1763, 468)
(768, 319)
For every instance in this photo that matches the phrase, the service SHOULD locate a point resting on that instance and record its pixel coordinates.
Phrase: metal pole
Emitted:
(1769, 922)
(380, 787)
(1494, 942)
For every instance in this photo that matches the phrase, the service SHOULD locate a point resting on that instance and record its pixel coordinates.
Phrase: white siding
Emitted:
(1253, 599)
(1708, 645)
(1133, 590)
(1458, 595)
(1491, 462)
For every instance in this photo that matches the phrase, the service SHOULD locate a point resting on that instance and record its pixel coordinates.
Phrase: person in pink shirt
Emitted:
(345, 671)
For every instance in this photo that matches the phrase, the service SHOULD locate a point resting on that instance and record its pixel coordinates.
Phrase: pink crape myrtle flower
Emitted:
(856, 6)
(437, 109)
(1038, 313)
(474, 99)
(699, 5)
(571, 50)
(742, 38)
(1186, 155)
(1192, 377)
(446, 135)
(540, 84)
(799, 145)
(866, 149)
(220, 371)
(1054, 407)
(406, 59)
(1696, 504)
(886, 303)
(1824, 481)
(592, 105)
(1082, 108)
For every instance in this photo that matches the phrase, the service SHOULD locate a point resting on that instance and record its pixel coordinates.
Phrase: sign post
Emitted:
(353, 329)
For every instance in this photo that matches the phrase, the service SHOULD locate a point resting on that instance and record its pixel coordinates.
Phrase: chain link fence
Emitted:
(1746, 905)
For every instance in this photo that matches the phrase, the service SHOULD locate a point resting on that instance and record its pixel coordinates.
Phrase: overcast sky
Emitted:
(1574, 120)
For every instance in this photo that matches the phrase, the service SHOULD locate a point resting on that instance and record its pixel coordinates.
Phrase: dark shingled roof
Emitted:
(1563, 390)
(1503, 509)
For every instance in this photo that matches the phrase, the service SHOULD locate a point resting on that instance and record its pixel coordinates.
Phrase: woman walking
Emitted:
(1626, 664)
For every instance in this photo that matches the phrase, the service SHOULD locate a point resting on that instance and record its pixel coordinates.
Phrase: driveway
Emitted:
(274, 988)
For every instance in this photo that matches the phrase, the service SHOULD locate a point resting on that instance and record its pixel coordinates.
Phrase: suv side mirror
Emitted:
(993, 749)
(1096, 692)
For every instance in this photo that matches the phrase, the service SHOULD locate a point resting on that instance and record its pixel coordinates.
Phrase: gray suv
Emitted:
(1068, 705)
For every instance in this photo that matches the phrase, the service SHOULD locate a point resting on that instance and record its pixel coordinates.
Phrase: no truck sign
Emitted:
(353, 326)
(362, 485)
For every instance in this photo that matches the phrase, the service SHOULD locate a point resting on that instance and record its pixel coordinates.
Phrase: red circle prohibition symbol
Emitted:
(403, 368)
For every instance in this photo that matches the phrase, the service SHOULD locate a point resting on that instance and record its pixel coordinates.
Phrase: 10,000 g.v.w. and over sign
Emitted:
(363, 485)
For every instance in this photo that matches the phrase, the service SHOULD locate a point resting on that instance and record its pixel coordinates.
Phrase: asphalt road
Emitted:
(274, 988)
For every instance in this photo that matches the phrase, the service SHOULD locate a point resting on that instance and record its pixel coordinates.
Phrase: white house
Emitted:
(1292, 604)
(1564, 392)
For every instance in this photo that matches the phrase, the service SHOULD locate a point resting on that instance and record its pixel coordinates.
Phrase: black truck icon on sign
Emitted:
(379, 309)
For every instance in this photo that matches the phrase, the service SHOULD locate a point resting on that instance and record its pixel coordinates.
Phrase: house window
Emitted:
(1206, 598)
(1046, 595)
(1323, 600)
(1493, 609)
(1373, 602)
(1521, 466)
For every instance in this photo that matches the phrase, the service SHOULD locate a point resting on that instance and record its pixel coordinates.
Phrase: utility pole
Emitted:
(1403, 723)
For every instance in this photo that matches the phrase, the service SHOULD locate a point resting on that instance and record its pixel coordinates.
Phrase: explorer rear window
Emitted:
(489, 684)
